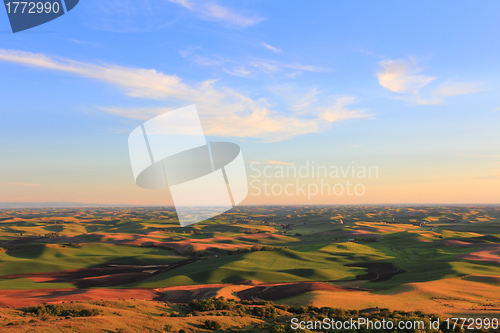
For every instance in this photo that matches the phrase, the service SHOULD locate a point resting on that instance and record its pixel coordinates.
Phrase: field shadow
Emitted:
(377, 272)
(31, 252)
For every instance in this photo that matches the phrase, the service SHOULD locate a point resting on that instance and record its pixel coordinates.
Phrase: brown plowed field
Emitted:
(275, 292)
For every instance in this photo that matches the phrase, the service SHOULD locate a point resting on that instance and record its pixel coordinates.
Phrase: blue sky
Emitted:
(411, 87)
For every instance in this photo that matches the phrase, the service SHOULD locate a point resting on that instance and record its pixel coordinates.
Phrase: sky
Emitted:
(409, 90)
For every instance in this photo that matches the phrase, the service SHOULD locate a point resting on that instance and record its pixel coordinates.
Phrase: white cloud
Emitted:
(308, 68)
(208, 60)
(476, 155)
(304, 102)
(279, 163)
(240, 71)
(339, 111)
(452, 88)
(497, 109)
(187, 52)
(77, 41)
(331, 109)
(272, 48)
(184, 3)
(234, 67)
(270, 67)
(261, 160)
(433, 100)
(266, 67)
(138, 82)
(399, 76)
(224, 111)
(211, 11)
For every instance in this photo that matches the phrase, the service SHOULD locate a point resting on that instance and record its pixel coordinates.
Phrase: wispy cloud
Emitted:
(304, 102)
(209, 60)
(203, 60)
(184, 3)
(125, 15)
(310, 103)
(265, 66)
(238, 71)
(355, 146)
(271, 67)
(77, 41)
(187, 52)
(20, 184)
(279, 163)
(476, 155)
(272, 48)
(137, 82)
(266, 161)
(308, 68)
(497, 109)
(452, 88)
(225, 111)
(249, 66)
(339, 111)
(211, 11)
(400, 76)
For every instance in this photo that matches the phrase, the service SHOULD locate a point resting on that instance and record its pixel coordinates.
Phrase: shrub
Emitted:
(212, 325)
(58, 310)
(212, 304)
(269, 311)
(256, 248)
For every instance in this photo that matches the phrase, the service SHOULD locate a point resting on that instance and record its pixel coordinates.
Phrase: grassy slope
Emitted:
(312, 262)
(308, 257)
(48, 258)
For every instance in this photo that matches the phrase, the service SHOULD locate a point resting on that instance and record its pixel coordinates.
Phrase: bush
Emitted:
(212, 325)
(256, 248)
(60, 311)
(269, 311)
(212, 304)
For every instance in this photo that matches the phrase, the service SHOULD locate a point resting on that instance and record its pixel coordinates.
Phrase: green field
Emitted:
(266, 244)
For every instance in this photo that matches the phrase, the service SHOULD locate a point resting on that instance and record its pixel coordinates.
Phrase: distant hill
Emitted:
(54, 205)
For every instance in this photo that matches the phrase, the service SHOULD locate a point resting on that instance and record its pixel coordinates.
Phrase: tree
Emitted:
(193, 250)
